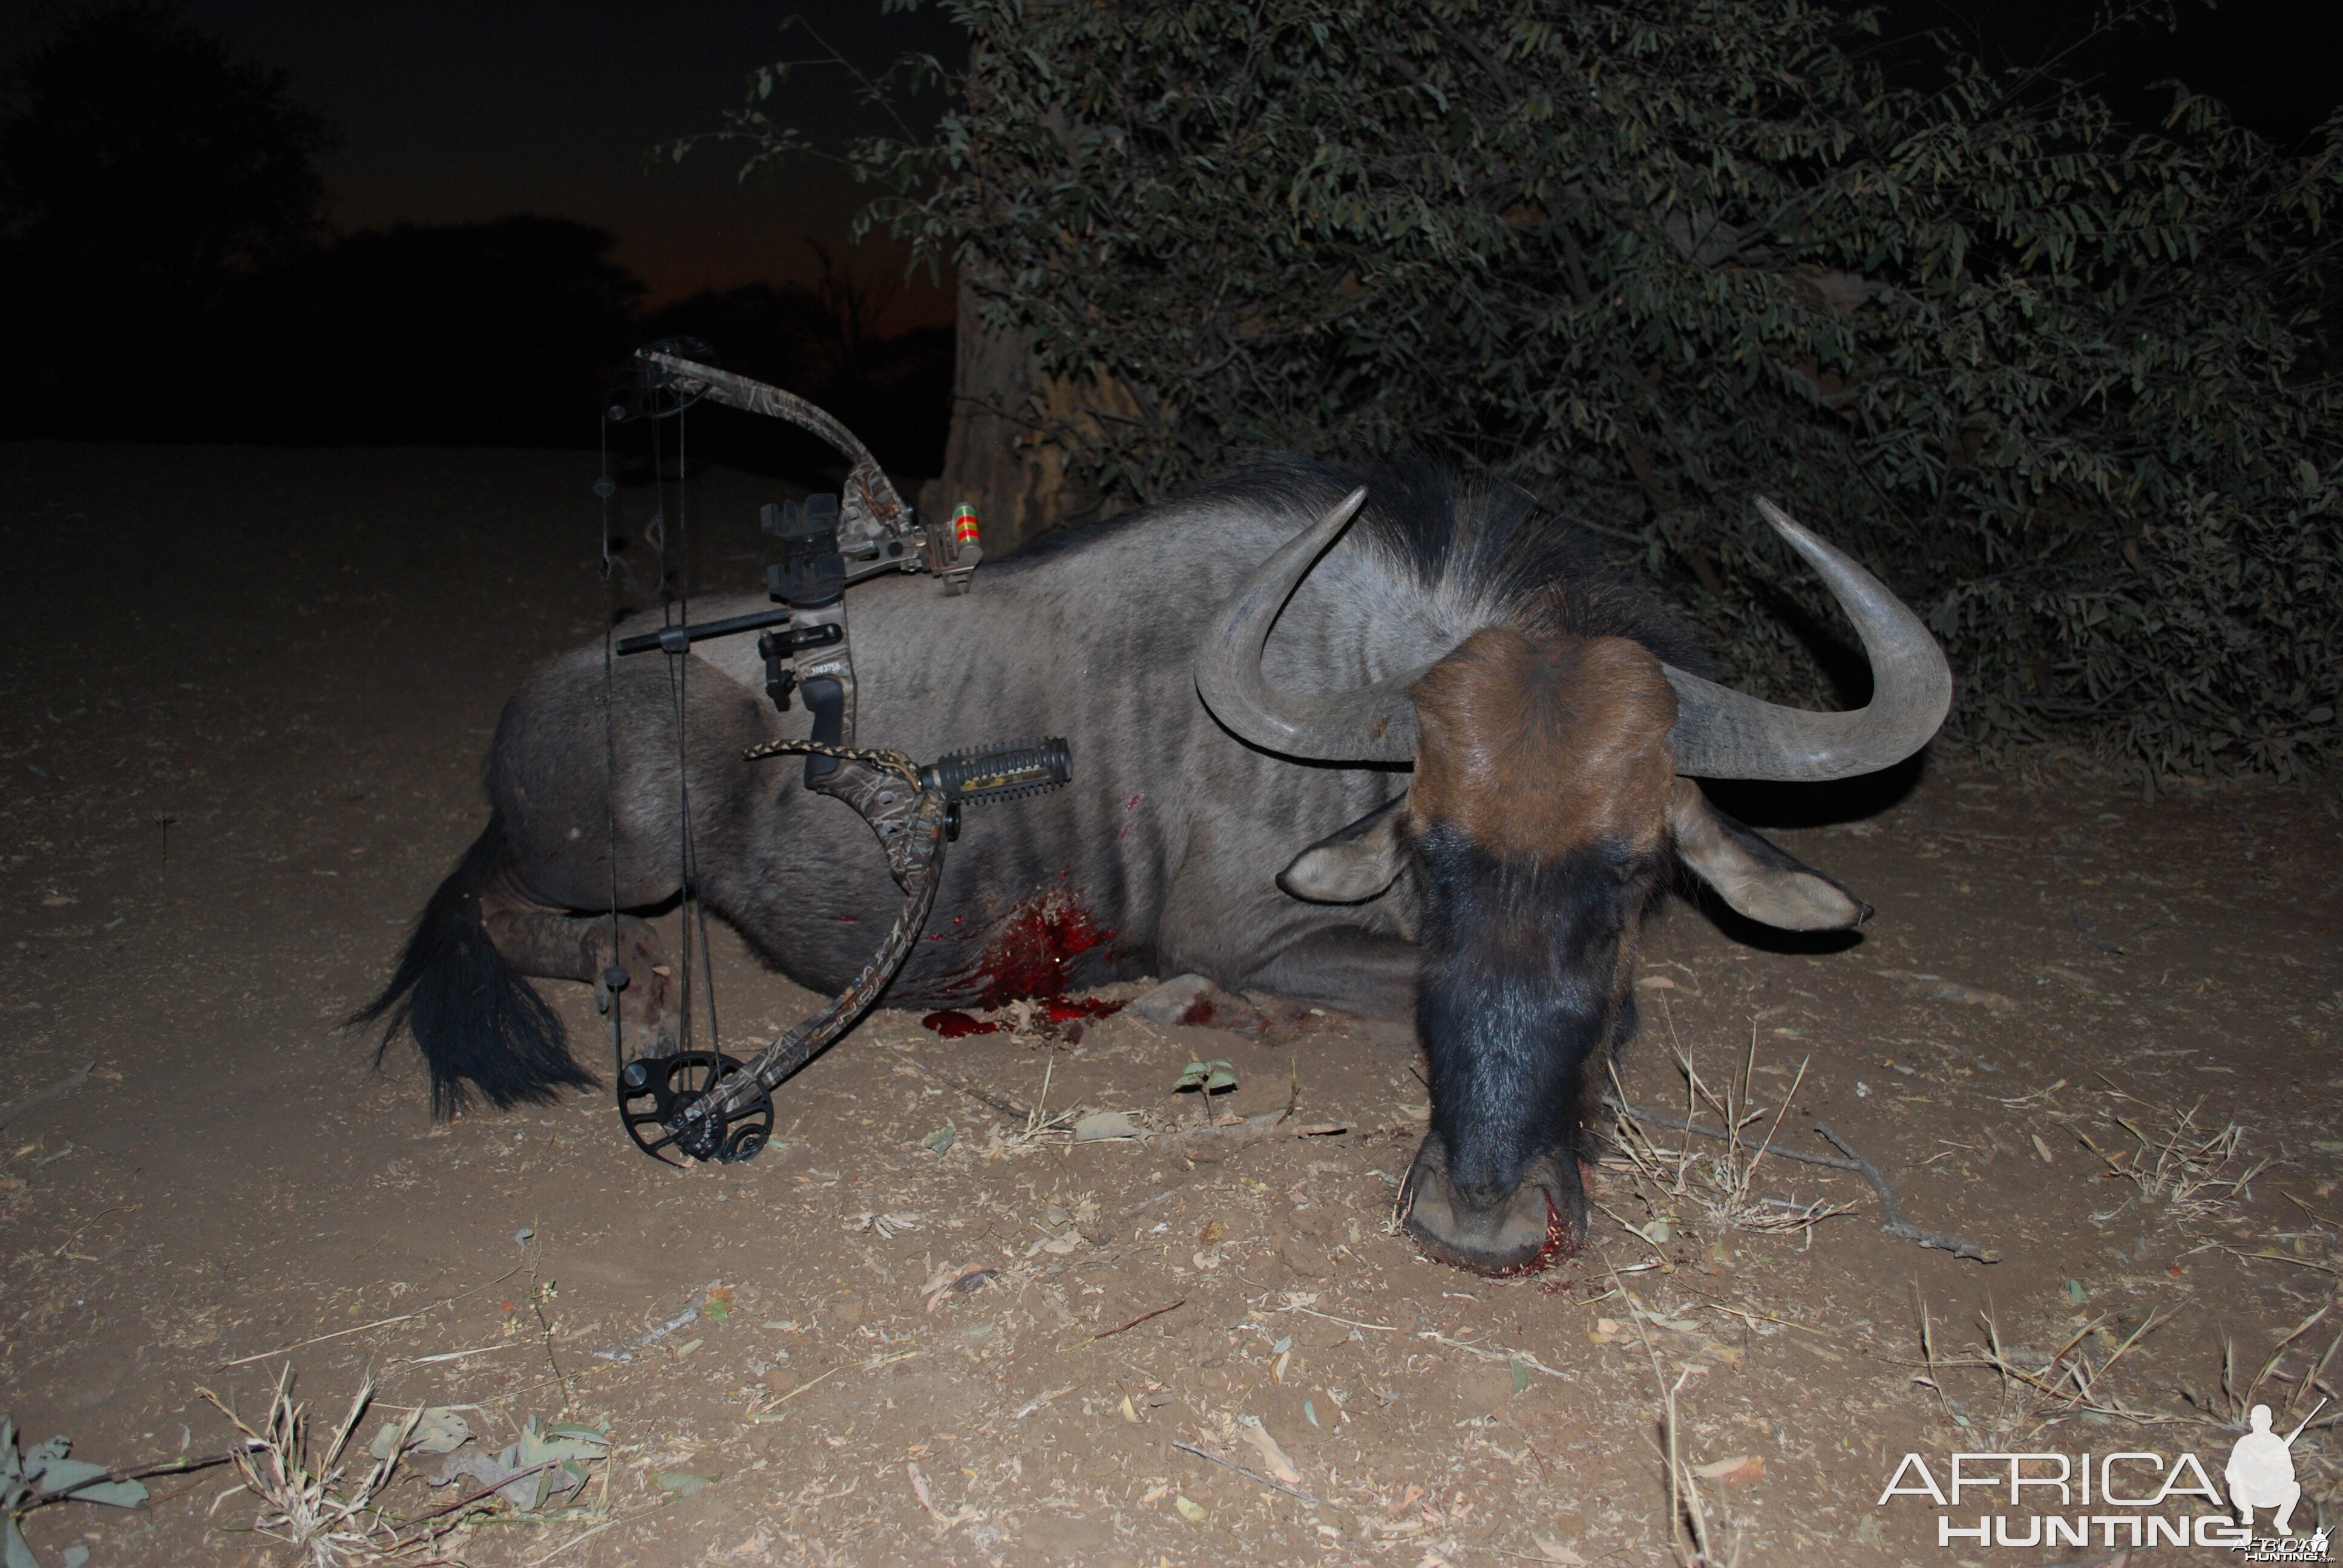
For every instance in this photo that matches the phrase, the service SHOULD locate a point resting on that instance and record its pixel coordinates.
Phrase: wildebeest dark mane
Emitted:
(1464, 538)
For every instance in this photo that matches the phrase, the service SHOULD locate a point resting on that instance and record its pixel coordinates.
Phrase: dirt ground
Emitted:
(247, 695)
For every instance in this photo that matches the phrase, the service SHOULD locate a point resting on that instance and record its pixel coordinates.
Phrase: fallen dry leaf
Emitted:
(1407, 1500)
(1553, 1551)
(1740, 1470)
(1272, 1457)
(947, 1281)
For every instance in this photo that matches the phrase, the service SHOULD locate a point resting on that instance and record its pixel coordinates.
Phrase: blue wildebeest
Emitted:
(1269, 836)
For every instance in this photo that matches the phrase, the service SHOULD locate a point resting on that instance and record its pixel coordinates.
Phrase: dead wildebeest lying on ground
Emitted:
(1546, 708)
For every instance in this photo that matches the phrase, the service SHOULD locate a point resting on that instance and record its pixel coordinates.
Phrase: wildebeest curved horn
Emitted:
(1373, 723)
(1724, 734)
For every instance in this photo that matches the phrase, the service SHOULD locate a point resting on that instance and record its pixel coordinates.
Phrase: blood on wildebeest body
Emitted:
(1030, 957)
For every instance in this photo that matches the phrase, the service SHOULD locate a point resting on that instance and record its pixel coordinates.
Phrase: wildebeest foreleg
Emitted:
(1347, 966)
(555, 944)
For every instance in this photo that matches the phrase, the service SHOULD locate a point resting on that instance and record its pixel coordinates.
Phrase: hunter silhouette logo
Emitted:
(2260, 1472)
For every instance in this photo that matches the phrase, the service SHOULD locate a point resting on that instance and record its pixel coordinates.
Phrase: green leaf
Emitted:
(1211, 1077)
(56, 1475)
(115, 1494)
(537, 1448)
(13, 1552)
(584, 1433)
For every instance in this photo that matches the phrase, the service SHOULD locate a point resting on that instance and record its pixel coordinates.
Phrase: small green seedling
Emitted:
(1208, 1077)
(1211, 1077)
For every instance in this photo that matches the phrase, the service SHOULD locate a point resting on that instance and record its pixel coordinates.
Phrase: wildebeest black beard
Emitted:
(1521, 991)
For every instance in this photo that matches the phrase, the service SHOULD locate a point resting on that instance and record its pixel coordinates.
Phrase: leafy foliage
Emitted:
(2065, 384)
(135, 144)
(47, 1475)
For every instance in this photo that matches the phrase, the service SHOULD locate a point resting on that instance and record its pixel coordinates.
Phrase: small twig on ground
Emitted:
(2282, 1258)
(488, 1489)
(56, 1090)
(125, 1209)
(1135, 1323)
(2075, 913)
(1033, 1122)
(573, 1540)
(1348, 1322)
(133, 1472)
(2309, 1210)
(768, 1413)
(1524, 1357)
(1678, 1481)
(378, 1323)
(321, 1338)
(1254, 1475)
(1896, 1224)
(537, 1305)
(1006, 1107)
(1746, 1312)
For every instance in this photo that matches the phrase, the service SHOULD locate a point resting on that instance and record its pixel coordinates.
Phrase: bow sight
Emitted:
(705, 1103)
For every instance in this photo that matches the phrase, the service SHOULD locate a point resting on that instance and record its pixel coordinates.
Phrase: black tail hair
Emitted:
(478, 1022)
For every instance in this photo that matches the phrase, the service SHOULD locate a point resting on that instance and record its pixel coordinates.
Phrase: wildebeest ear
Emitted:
(1350, 866)
(1751, 874)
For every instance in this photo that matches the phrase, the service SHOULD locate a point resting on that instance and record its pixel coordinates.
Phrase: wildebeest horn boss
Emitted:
(1553, 716)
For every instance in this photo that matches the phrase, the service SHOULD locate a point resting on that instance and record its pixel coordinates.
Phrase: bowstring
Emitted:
(699, 906)
(676, 610)
(604, 489)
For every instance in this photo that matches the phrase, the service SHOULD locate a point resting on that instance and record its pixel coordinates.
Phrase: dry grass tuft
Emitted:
(2234, 1399)
(1694, 1538)
(2187, 1170)
(304, 1504)
(1721, 1184)
(2040, 1387)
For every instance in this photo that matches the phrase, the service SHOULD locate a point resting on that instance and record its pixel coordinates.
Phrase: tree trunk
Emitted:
(1003, 455)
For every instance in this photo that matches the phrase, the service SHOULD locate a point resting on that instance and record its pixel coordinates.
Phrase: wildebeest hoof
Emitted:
(1494, 1232)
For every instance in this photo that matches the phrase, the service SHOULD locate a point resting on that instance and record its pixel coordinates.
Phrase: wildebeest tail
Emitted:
(479, 1023)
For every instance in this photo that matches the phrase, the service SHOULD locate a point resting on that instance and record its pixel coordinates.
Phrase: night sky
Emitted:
(453, 110)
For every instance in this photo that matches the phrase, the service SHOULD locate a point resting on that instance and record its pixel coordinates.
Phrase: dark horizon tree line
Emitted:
(162, 234)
